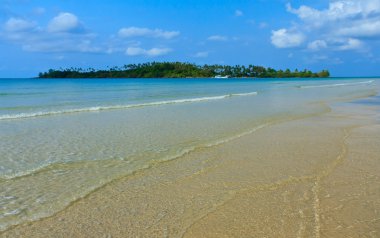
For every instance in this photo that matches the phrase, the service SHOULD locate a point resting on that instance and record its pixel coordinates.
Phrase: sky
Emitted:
(342, 36)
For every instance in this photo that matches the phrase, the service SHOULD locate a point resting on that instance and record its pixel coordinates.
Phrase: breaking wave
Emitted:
(115, 107)
(335, 85)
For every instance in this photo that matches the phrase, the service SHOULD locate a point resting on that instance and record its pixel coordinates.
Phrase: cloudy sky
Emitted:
(340, 35)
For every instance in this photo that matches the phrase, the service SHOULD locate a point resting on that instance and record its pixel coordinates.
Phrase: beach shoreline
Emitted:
(286, 180)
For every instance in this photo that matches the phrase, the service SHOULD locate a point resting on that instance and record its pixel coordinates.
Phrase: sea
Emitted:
(61, 139)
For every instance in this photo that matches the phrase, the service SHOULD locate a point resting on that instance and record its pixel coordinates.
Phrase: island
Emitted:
(181, 70)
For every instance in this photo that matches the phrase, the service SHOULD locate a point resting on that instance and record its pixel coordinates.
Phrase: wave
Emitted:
(179, 154)
(243, 94)
(14, 212)
(115, 107)
(336, 84)
(21, 94)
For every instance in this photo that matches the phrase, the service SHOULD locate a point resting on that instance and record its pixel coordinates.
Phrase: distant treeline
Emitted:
(181, 70)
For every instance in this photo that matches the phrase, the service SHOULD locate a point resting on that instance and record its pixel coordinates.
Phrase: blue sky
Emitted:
(340, 35)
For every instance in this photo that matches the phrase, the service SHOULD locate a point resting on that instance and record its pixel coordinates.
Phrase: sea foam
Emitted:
(127, 106)
(336, 85)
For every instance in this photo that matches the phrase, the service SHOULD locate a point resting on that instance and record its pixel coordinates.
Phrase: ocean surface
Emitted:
(61, 139)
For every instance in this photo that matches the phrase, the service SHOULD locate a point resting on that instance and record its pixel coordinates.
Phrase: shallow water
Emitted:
(62, 139)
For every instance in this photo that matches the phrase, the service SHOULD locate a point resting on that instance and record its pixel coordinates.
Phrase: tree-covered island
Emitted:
(181, 70)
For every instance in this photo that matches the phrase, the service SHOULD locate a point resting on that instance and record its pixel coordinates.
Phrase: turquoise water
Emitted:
(61, 139)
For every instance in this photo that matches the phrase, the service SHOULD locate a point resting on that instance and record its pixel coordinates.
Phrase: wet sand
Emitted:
(317, 176)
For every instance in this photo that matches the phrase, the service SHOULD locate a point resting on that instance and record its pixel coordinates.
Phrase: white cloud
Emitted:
(65, 22)
(350, 18)
(284, 38)
(66, 33)
(32, 37)
(137, 51)
(146, 32)
(217, 38)
(337, 10)
(18, 24)
(351, 44)
(239, 13)
(306, 13)
(317, 45)
(57, 45)
(202, 54)
(364, 28)
(350, 23)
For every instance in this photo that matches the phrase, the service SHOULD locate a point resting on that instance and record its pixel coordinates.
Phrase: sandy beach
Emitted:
(190, 119)
(315, 176)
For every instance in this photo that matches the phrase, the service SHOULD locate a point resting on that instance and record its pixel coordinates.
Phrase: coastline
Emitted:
(185, 119)
(294, 176)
